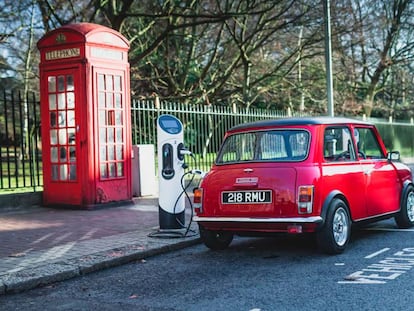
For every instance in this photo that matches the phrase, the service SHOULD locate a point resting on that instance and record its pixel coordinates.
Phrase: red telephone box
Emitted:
(85, 113)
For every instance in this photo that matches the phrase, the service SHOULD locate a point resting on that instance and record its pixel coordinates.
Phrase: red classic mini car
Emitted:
(302, 175)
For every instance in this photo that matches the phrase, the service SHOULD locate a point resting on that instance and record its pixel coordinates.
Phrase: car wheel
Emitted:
(335, 234)
(405, 217)
(216, 240)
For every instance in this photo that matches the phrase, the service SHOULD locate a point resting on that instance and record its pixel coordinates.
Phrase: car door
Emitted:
(381, 179)
(342, 171)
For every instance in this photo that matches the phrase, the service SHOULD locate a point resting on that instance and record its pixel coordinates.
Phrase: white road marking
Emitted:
(385, 270)
(377, 253)
(389, 229)
(360, 281)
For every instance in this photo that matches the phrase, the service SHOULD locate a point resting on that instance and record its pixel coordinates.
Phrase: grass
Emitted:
(16, 174)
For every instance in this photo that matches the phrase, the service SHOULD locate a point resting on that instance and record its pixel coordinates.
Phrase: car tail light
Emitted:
(305, 199)
(198, 200)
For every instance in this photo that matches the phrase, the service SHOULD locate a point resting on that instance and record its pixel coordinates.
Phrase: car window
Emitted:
(238, 147)
(299, 144)
(338, 145)
(274, 145)
(367, 144)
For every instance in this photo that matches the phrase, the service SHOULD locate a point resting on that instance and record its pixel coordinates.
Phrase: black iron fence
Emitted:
(20, 158)
(204, 128)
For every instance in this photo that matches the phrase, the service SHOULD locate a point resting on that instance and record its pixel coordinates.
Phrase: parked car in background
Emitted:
(302, 175)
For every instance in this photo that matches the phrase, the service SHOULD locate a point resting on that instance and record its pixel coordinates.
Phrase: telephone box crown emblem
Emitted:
(60, 38)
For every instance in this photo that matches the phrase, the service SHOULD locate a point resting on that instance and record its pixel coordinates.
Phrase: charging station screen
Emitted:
(170, 124)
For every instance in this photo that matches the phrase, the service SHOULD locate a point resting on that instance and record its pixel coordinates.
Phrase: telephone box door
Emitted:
(60, 124)
(113, 139)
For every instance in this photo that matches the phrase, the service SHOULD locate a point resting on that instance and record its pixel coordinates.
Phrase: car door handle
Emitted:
(367, 172)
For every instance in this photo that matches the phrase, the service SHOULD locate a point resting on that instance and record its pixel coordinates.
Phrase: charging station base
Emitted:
(171, 221)
(169, 234)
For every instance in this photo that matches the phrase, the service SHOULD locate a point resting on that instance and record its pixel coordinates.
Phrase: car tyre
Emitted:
(216, 240)
(336, 231)
(405, 217)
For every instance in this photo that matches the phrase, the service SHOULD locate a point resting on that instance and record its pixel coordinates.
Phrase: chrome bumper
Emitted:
(314, 219)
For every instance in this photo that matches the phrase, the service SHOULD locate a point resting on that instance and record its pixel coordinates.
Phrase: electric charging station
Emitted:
(171, 150)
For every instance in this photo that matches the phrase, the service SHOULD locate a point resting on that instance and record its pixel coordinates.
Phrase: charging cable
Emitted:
(182, 182)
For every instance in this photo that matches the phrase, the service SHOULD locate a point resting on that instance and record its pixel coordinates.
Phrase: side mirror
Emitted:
(393, 156)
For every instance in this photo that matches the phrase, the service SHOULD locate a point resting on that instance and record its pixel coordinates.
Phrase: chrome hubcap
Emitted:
(340, 226)
(410, 206)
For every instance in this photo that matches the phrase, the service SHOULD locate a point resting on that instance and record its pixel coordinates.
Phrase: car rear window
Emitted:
(275, 145)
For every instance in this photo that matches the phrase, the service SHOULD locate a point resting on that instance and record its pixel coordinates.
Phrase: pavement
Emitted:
(40, 245)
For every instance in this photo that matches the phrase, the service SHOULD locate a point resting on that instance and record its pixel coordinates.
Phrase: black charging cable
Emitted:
(185, 187)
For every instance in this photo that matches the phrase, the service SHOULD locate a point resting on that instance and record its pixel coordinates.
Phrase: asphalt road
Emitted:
(283, 273)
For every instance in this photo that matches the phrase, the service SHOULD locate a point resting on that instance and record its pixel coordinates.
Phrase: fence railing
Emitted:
(204, 128)
(20, 158)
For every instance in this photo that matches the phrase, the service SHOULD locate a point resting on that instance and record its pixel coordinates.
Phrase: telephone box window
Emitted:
(52, 84)
(117, 83)
(111, 124)
(119, 135)
(52, 101)
(69, 83)
(119, 152)
(70, 100)
(62, 127)
(120, 169)
(61, 101)
(118, 102)
(111, 153)
(110, 136)
(109, 101)
(109, 82)
(71, 118)
(112, 172)
(61, 83)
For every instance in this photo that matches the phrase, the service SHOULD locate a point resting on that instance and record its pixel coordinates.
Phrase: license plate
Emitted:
(246, 197)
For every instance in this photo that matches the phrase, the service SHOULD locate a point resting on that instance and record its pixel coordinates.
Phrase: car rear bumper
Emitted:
(300, 220)
(247, 224)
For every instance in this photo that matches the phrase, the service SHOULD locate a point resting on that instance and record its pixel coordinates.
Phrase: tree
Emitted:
(221, 52)
(376, 48)
(21, 65)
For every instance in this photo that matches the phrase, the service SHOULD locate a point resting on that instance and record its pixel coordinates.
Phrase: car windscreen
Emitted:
(273, 145)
